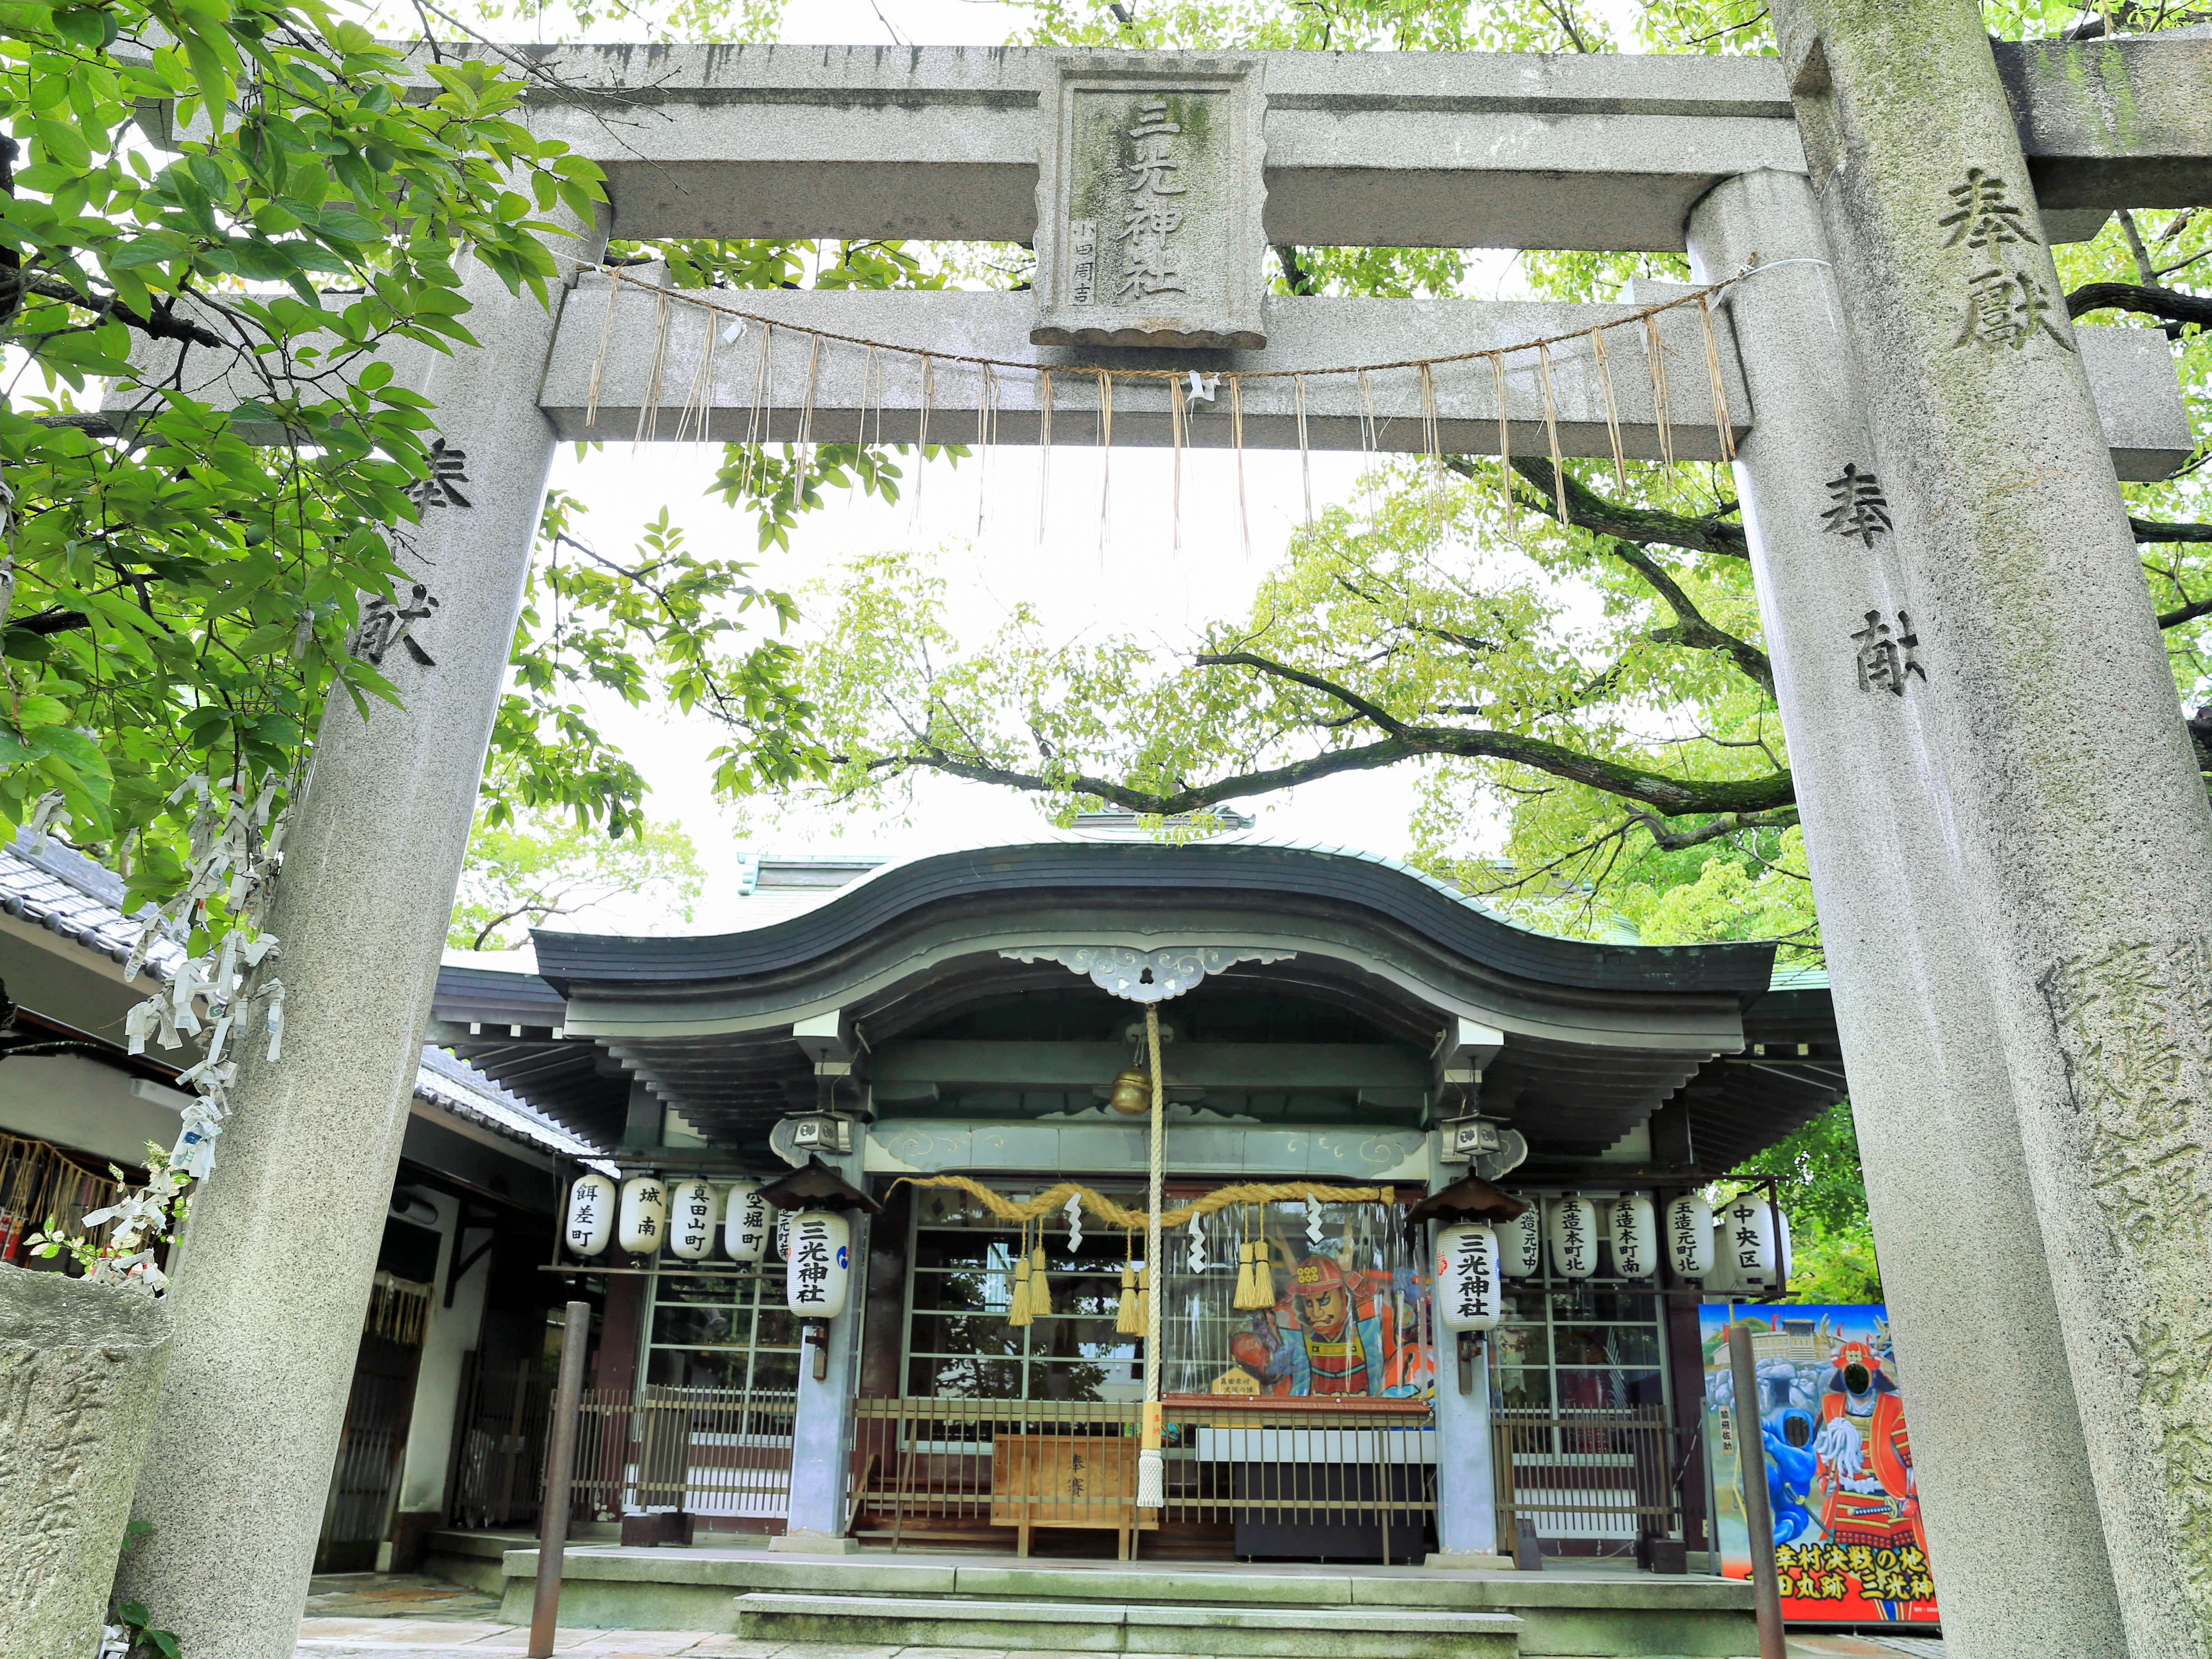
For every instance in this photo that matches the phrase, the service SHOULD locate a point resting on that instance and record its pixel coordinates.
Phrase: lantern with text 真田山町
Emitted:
(1689, 1236)
(644, 1220)
(591, 1221)
(746, 1223)
(818, 1264)
(1632, 1231)
(1521, 1243)
(1574, 1236)
(691, 1218)
(1468, 1294)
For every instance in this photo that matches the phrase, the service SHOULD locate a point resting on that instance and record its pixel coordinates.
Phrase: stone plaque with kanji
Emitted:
(1149, 201)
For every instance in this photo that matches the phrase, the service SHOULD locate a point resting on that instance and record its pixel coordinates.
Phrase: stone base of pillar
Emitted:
(1469, 1561)
(814, 1543)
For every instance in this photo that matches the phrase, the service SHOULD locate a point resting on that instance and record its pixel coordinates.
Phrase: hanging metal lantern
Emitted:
(644, 1215)
(1748, 1227)
(1521, 1243)
(818, 1270)
(744, 1222)
(691, 1208)
(1131, 1092)
(1631, 1229)
(1574, 1236)
(591, 1220)
(1469, 1295)
(1689, 1236)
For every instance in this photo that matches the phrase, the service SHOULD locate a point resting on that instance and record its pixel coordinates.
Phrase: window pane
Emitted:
(1523, 1345)
(974, 1291)
(696, 1368)
(689, 1322)
(957, 1333)
(1580, 1387)
(968, 1378)
(1605, 1344)
(775, 1373)
(1526, 1388)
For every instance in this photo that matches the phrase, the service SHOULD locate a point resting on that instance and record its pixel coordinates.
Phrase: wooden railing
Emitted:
(1600, 1473)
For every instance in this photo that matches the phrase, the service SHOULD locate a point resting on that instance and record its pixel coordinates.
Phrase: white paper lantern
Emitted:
(591, 1214)
(1574, 1236)
(1469, 1295)
(1521, 1243)
(1632, 1230)
(1689, 1236)
(744, 1222)
(691, 1210)
(819, 1266)
(644, 1215)
(1721, 1280)
(1748, 1228)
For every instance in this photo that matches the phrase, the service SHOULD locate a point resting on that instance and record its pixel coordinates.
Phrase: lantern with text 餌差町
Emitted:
(644, 1221)
(1521, 1243)
(817, 1265)
(591, 1220)
(691, 1218)
(746, 1223)
(1689, 1236)
(1631, 1232)
(1469, 1295)
(1574, 1236)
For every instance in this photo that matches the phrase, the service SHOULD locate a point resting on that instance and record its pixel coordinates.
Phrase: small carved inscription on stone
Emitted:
(1083, 261)
(1859, 508)
(2006, 305)
(1888, 656)
(2134, 1024)
(448, 469)
(384, 624)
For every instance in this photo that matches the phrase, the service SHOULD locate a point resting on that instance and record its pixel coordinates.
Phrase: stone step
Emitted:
(1231, 1632)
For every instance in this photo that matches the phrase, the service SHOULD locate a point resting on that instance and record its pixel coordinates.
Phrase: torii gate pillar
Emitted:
(2069, 802)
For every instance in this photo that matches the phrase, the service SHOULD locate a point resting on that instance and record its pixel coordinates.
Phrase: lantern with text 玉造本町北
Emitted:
(1574, 1236)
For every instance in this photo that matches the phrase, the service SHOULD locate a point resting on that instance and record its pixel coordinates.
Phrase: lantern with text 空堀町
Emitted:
(1574, 1236)
(746, 1223)
(1469, 1295)
(644, 1220)
(691, 1218)
(1631, 1232)
(818, 1264)
(1521, 1243)
(1689, 1236)
(591, 1221)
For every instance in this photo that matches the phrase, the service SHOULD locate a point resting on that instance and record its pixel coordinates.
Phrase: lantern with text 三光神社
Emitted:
(1469, 1295)
(1631, 1232)
(691, 1218)
(644, 1221)
(1521, 1243)
(590, 1222)
(1689, 1236)
(817, 1265)
(1574, 1236)
(746, 1223)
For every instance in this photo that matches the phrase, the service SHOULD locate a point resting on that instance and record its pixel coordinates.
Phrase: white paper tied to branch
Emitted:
(49, 814)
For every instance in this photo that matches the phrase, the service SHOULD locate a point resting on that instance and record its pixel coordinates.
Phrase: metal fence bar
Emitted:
(1595, 1474)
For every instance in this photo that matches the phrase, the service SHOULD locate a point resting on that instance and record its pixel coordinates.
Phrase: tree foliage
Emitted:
(527, 871)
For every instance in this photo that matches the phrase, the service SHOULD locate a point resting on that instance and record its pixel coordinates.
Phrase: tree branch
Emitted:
(163, 324)
(1690, 628)
(1590, 511)
(2168, 304)
(1299, 279)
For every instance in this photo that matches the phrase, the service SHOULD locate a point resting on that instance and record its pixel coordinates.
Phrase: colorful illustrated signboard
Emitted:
(1831, 1413)
(1335, 1329)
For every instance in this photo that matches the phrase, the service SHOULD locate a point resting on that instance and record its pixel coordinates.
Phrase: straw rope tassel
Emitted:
(1611, 413)
(1105, 460)
(1044, 451)
(1505, 448)
(921, 432)
(1040, 1284)
(1151, 1467)
(1655, 352)
(986, 427)
(1177, 413)
(700, 398)
(1305, 455)
(806, 410)
(1721, 421)
(1552, 432)
(755, 416)
(1018, 1308)
(648, 408)
(1367, 442)
(1129, 1317)
(599, 362)
(1236, 441)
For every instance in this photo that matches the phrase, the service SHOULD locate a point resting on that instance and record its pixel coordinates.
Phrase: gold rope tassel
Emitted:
(1236, 441)
(1305, 455)
(599, 362)
(1655, 352)
(1044, 451)
(1612, 412)
(1505, 448)
(1722, 424)
(1552, 432)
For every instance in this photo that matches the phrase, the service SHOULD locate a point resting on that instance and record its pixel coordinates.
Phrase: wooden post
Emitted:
(560, 1476)
(1751, 1455)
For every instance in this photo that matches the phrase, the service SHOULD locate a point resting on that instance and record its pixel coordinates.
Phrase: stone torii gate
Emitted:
(2012, 851)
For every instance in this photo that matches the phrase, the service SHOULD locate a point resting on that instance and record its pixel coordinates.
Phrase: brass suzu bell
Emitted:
(1132, 1093)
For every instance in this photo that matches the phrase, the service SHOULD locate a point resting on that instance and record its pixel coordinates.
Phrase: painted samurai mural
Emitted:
(1338, 1329)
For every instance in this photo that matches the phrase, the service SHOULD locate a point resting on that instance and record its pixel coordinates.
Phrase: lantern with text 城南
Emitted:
(1574, 1236)
(1468, 1294)
(746, 1223)
(644, 1220)
(1632, 1231)
(691, 1218)
(1689, 1236)
(817, 1265)
(590, 1222)
(1520, 1244)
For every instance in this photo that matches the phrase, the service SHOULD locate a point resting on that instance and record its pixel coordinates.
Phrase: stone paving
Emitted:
(396, 1616)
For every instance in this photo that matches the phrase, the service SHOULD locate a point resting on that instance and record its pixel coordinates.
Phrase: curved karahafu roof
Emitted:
(1579, 1042)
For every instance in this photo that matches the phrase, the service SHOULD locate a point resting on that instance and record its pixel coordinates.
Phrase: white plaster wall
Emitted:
(86, 1106)
(451, 1334)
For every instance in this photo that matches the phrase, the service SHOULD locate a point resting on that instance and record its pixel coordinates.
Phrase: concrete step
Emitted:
(1090, 1626)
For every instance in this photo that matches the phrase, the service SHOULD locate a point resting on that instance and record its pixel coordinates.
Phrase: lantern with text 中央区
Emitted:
(1756, 1234)
(1574, 1236)
(644, 1221)
(1520, 1244)
(691, 1218)
(1469, 1295)
(817, 1265)
(1689, 1236)
(744, 1222)
(1632, 1231)
(591, 1221)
